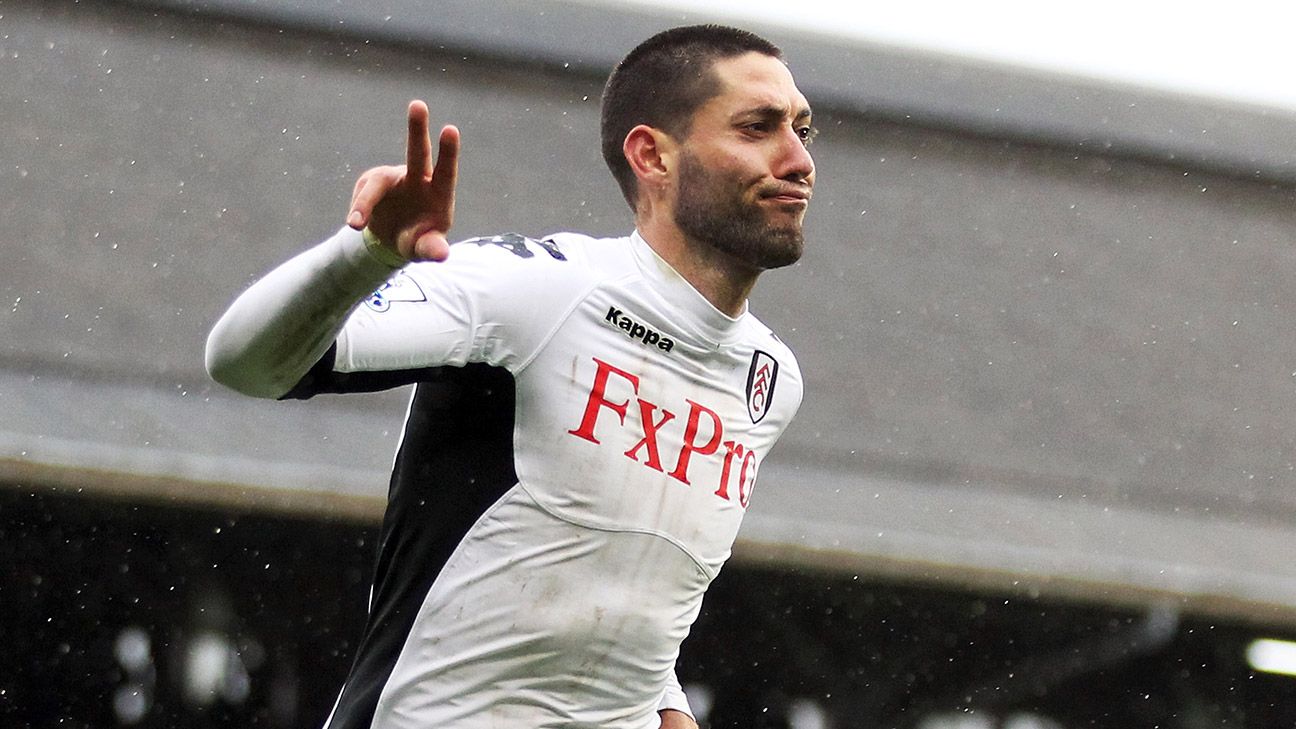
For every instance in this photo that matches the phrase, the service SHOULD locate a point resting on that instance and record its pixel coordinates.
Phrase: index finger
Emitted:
(418, 147)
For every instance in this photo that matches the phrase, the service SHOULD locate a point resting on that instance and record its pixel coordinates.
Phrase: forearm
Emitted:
(280, 326)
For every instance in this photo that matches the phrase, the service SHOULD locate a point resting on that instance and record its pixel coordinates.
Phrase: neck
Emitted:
(721, 280)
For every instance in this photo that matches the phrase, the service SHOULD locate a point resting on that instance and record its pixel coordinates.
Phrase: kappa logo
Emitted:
(761, 378)
(400, 288)
(635, 330)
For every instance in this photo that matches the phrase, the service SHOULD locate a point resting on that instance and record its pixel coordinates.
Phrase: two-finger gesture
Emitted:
(410, 207)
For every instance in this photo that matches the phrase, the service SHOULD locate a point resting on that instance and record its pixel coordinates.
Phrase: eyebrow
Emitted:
(774, 112)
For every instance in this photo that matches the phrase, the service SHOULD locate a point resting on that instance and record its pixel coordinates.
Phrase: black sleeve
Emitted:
(321, 379)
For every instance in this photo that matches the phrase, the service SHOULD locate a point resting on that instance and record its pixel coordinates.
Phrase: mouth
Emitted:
(788, 195)
(797, 203)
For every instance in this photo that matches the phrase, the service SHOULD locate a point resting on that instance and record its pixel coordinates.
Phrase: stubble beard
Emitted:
(710, 211)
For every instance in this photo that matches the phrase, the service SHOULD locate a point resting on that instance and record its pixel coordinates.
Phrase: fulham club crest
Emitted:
(760, 385)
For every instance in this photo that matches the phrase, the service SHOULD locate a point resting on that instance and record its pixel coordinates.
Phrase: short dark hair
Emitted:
(662, 82)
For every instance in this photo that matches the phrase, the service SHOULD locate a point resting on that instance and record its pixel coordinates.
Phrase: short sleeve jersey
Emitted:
(583, 442)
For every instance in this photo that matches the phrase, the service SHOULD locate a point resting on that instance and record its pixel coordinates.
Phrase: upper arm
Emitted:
(493, 301)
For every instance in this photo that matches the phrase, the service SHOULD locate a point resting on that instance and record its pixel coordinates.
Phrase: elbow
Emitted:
(236, 369)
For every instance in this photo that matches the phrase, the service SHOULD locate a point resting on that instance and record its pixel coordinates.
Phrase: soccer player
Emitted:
(589, 416)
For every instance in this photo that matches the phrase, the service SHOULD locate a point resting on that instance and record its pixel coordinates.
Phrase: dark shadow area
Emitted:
(121, 614)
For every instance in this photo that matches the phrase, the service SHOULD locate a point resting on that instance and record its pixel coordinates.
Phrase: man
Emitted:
(589, 416)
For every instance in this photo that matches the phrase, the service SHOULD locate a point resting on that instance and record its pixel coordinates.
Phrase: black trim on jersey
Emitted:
(455, 461)
(321, 379)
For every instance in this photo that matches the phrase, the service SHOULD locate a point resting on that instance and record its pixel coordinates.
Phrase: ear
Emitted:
(651, 154)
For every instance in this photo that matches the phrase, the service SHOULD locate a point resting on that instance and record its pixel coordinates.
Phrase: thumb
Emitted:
(431, 246)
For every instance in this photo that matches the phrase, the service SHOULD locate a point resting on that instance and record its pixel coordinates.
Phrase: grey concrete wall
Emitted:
(1027, 364)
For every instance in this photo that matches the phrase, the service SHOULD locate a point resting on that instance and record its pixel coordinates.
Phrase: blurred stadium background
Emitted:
(1043, 477)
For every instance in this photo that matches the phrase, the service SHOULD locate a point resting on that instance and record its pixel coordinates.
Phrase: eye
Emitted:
(807, 134)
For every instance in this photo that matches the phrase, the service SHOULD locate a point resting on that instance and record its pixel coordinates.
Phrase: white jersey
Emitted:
(581, 447)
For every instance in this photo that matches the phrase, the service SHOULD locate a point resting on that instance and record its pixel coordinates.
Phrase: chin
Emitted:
(775, 249)
(784, 258)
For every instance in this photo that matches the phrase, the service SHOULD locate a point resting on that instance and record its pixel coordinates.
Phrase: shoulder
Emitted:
(505, 254)
(513, 247)
(515, 273)
(762, 337)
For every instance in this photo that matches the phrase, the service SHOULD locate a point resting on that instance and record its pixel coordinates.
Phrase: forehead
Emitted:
(754, 80)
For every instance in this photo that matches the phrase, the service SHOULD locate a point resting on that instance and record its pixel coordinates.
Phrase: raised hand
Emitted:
(410, 207)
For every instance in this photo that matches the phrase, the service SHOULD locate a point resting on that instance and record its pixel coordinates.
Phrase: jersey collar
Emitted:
(711, 323)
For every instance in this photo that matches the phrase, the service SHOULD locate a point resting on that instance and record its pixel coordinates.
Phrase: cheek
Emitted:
(728, 173)
(740, 174)
(735, 162)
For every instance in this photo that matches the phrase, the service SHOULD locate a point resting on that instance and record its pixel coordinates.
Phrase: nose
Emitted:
(795, 163)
